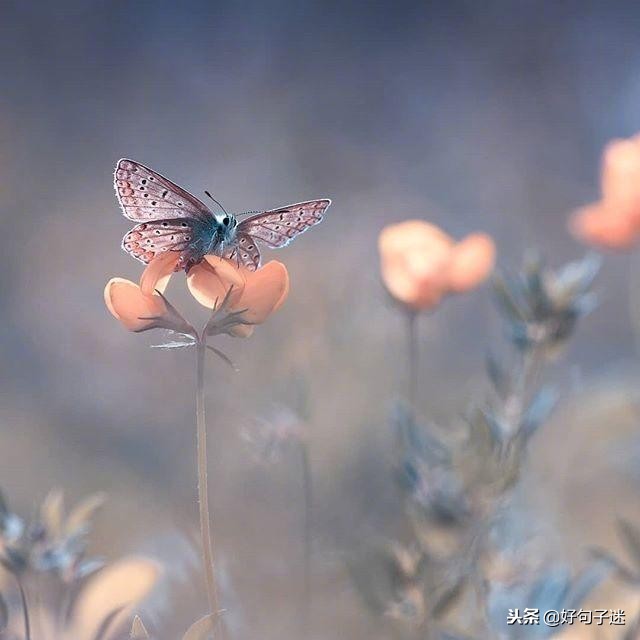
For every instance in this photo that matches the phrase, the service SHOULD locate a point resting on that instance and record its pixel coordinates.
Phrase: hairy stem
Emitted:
(308, 527)
(203, 489)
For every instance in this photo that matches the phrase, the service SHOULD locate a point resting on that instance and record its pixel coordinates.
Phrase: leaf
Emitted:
(577, 277)
(550, 590)
(373, 571)
(585, 304)
(173, 345)
(538, 411)
(82, 513)
(541, 305)
(4, 508)
(138, 632)
(448, 598)
(4, 614)
(224, 357)
(416, 440)
(51, 511)
(497, 374)
(631, 537)
(497, 429)
(506, 300)
(586, 582)
(602, 555)
(201, 629)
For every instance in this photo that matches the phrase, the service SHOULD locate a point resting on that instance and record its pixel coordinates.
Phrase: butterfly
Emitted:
(171, 219)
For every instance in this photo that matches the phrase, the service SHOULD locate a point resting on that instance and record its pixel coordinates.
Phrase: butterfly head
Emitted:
(226, 227)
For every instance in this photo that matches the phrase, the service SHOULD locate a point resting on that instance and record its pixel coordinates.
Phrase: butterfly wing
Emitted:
(145, 195)
(245, 252)
(277, 227)
(149, 239)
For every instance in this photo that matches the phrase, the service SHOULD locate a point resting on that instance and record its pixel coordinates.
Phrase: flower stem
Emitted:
(25, 607)
(203, 489)
(413, 359)
(308, 527)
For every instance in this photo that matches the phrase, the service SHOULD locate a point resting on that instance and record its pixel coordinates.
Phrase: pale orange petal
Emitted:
(265, 291)
(127, 303)
(241, 331)
(602, 228)
(158, 272)
(210, 281)
(472, 260)
(414, 257)
(112, 594)
(397, 238)
(621, 175)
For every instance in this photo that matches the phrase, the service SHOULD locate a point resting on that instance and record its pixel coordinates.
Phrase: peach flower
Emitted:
(614, 221)
(420, 263)
(256, 294)
(141, 307)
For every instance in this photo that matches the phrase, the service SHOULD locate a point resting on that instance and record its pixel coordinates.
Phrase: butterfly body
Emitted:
(171, 219)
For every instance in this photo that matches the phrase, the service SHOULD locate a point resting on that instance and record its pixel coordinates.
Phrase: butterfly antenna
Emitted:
(247, 213)
(216, 201)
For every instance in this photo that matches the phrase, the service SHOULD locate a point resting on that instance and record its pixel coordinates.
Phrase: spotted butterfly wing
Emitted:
(145, 195)
(275, 228)
(149, 239)
(170, 218)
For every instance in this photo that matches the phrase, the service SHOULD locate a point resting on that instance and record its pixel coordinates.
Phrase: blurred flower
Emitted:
(100, 609)
(553, 589)
(420, 263)
(272, 434)
(51, 543)
(437, 505)
(390, 579)
(251, 296)
(541, 306)
(614, 221)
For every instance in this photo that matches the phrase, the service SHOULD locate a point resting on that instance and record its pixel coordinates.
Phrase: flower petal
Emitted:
(210, 281)
(414, 293)
(265, 291)
(158, 272)
(419, 234)
(414, 258)
(599, 226)
(127, 303)
(115, 590)
(621, 175)
(472, 260)
(241, 331)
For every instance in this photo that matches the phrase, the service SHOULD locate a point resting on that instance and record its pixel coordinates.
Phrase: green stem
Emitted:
(203, 489)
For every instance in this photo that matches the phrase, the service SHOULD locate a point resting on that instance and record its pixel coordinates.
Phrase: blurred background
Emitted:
(476, 116)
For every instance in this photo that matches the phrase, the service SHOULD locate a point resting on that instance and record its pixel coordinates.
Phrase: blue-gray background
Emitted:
(476, 115)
